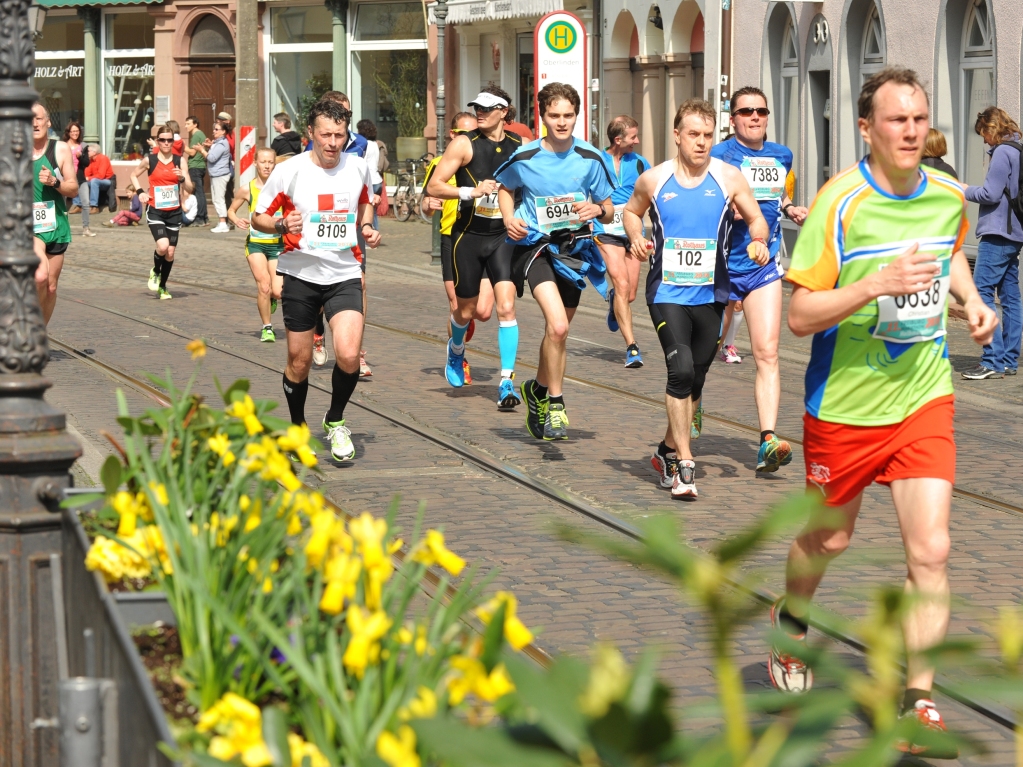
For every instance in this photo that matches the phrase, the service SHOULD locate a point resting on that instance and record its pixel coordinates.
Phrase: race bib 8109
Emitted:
(330, 231)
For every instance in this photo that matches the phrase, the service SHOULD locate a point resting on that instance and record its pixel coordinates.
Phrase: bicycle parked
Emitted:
(408, 195)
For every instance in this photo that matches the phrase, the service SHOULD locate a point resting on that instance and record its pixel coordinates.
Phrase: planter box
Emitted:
(109, 653)
(144, 608)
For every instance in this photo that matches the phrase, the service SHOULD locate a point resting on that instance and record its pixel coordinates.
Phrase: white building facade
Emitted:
(812, 58)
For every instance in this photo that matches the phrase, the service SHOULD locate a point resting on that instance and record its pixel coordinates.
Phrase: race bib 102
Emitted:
(330, 231)
(688, 262)
(918, 316)
(765, 176)
(166, 197)
(554, 213)
(44, 217)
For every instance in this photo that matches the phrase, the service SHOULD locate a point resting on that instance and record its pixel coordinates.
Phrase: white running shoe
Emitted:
(220, 228)
(788, 673)
(319, 351)
(730, 355)
(340, 439)
(684, 483)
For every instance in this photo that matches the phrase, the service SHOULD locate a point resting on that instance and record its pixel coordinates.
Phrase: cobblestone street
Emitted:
(572, 595)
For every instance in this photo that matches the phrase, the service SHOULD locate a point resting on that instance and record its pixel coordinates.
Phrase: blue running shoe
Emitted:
(633, 359)
(612, 321)
(454, 371)
(507, 399)
(774, 453)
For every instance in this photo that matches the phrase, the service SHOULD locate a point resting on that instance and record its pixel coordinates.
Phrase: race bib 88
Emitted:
(44, 217)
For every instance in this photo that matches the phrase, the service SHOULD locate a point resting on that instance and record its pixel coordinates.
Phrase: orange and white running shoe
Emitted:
(788, 673)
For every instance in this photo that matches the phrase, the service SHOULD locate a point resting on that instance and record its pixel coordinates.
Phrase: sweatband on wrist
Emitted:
(465, 193)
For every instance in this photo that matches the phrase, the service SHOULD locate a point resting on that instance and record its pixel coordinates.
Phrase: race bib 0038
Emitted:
(330, 231)
(554, 213)
(44, 217)
(688, 262)
(918, 316)
(166, 197)
(765, 176)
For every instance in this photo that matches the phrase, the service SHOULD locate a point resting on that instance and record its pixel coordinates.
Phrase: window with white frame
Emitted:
(977, 92)
(129, 52)
(388, 71)
(788, 113)
(873, 54)
(60, 68)
(299, 43)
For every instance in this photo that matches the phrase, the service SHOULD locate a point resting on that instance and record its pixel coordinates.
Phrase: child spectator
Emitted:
(128, 217)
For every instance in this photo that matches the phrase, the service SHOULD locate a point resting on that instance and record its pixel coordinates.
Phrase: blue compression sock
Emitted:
(508, 343)
(458, 336)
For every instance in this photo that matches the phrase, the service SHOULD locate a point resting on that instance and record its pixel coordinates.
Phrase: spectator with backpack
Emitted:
(1000, 229)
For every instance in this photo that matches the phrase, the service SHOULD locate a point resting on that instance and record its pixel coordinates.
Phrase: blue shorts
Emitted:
(741, 285)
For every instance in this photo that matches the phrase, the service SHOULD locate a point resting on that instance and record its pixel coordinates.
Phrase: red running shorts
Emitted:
(842, 460)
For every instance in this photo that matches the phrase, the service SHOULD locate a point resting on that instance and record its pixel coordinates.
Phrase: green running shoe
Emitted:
(341, 447)
(536, 409)
(154, 280)
(164, 295)
(267, 336)
(556, 424)
(696, 429)
(773, 454)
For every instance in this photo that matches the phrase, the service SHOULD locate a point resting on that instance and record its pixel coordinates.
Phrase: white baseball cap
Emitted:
(488, 101)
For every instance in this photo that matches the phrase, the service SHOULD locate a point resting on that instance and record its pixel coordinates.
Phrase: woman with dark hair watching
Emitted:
(1001, 238)
(935, 150)
(218, 160)
(73, 137)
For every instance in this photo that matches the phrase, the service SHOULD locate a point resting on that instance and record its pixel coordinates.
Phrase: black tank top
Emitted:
(482, 215)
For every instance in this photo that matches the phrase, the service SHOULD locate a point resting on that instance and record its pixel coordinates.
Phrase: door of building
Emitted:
(211, 89)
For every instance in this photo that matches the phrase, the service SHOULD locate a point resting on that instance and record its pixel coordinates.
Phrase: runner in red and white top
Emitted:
(167, 172)
(324, 199)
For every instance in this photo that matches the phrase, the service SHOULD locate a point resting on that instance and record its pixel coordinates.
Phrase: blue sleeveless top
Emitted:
(691, 232)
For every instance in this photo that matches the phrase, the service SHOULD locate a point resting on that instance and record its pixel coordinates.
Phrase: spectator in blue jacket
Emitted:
(1001, 238)
(218, 162)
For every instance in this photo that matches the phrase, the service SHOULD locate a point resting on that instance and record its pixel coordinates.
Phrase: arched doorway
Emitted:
(211, 75)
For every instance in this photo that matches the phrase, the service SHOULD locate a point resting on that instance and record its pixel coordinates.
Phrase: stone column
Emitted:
(679, 88)
(651, 112)
(339, 9)
(92, 75)
(35, 450)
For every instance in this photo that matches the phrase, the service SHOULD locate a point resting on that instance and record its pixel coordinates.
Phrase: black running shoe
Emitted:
(556, 423)
(980, 372)
(536, 409)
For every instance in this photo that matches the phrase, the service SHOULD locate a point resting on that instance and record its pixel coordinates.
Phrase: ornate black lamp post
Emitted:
(440, 12)
(35, 450)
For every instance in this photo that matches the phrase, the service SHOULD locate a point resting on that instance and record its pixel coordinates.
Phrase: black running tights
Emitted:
(689, 336)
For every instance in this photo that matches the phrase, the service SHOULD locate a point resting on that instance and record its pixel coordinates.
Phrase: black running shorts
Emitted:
(611, 239)
(476, 255)
(164, 224)
(538, 270)
(446, 267)
(56, 248)
(301, 301)
(689, 336)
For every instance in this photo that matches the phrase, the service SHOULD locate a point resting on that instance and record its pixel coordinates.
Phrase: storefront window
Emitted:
(389, 88)
(298, 80)
(128, 69)
(301, 25)
(390, 21)
(59, 72)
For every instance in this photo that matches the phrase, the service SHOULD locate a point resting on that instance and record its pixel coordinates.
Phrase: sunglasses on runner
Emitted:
(166, 140)
(748, 111)
(486, 110)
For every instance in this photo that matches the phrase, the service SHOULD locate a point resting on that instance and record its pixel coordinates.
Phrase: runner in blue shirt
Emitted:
(765, 165)
(690, 199)
(564, 184)
(627, 166)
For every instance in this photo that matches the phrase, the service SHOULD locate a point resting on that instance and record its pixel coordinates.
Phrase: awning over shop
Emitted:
(87, 3)
(468, 11)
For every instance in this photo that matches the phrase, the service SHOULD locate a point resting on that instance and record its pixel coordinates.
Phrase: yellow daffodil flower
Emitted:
(369, 534)
(515, 631)
(300, 749)
(294, 525)
(470, 676)
(609, 681)
(268, 585)
(328, 538)
(245, 410)
(159, 491)
(432, 551)
(156, 547)
(130, 508)
(342, 577)
(238, 725)
(400, 750)
(423, 706)
(366, 630)
(277, 468)
(221, 445)
(197, 348)
(117, 562)
(296, 440)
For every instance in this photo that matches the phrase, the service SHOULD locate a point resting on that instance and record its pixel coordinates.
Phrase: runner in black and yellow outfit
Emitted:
(463, 122)
(261, 249)
(53, 179)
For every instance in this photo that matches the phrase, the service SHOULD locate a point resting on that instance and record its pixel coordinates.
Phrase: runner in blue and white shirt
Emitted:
(765, 165)
(627, 167)
(564, 184)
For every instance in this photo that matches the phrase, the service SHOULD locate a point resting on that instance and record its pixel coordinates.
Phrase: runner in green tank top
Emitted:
(53, 180)
(873, 268)
(261, 249)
